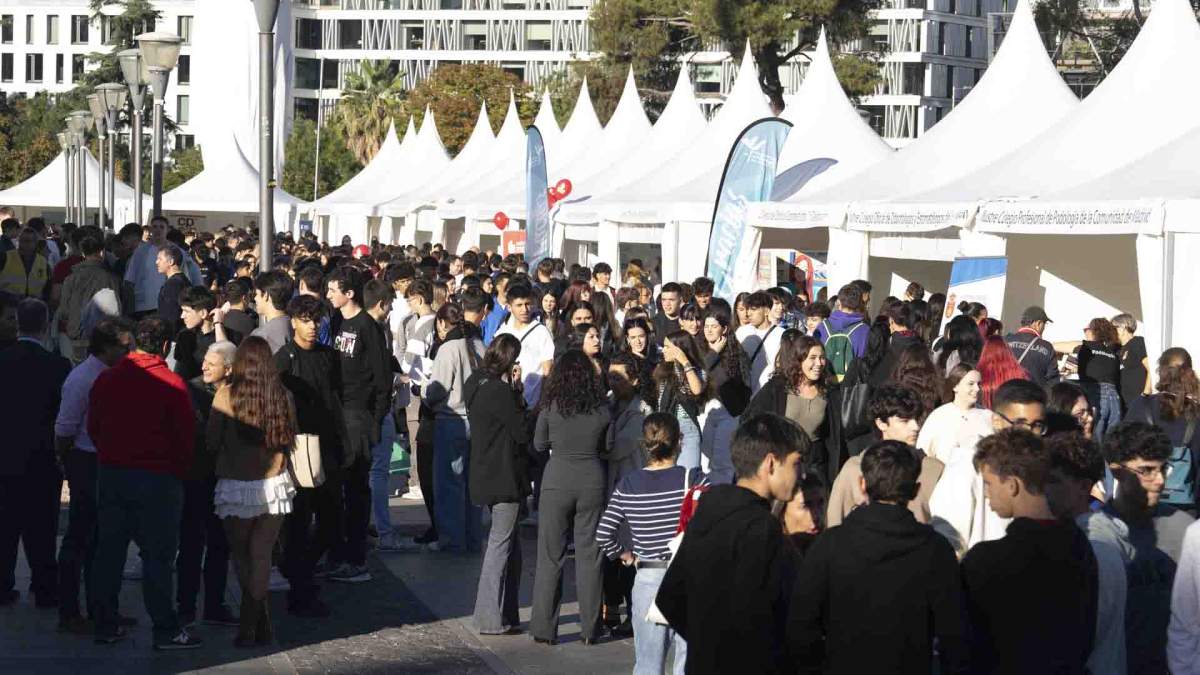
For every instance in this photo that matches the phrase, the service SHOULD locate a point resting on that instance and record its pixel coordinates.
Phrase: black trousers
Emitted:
(202, 547)
(362, 431)
(29, 505)
(425, 469)
(78, 548)
(301, 548)
(618, 585)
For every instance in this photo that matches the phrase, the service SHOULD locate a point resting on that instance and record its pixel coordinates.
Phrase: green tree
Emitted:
(649, 36)
(135, 17)
(338, 164)
(454, 93)
(371, 100)
(184, 165)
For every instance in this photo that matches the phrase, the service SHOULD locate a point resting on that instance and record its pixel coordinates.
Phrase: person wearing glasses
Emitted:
(1137, 455)
(958, 505)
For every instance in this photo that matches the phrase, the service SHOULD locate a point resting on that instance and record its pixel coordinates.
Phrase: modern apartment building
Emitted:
(44, 46)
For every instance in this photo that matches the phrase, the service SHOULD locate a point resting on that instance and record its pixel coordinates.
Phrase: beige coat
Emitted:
(845, 495)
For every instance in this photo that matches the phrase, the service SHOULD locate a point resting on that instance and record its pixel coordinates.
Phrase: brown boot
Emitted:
(264, 633)
(249, 621)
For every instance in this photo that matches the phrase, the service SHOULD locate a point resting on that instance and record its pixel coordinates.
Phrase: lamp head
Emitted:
(63, 141)
(266, 11)
(79, 121)
(99, 114)
(160, 50)
(112, 96)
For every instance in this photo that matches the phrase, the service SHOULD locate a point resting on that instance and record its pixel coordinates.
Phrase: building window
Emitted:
(28, 29)
(475, 35)
(79, 29)
(708, 79)
(941, 39)
(185, 141)
(538, 36)
(52, 30)
(308, 33)
(450, 4)
(185, 29)
(350, 34)
(307, 73)
(6, 67)
(949, 93)
(6, 29)
(414, 37)
(183, 109)
(970, 43)
(914, 79)
(58, 68)
(306, 108)
(77, 61)
(33, 67)
(183, 70)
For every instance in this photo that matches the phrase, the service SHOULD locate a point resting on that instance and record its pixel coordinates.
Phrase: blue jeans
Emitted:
(381, 462)
(651, 640)
(689, 443)
(458, 520)
(1109, 412)
(143, 506)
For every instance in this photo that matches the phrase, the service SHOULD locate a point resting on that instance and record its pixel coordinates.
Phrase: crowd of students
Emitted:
(769, 485)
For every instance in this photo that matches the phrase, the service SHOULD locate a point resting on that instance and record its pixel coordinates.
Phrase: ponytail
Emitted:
(660, 437)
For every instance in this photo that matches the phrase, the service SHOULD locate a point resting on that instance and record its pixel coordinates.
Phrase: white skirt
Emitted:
(253, 498)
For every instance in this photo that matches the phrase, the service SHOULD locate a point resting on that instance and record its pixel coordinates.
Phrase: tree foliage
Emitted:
(648, 36)
(371, 99)
(454, 93)
(338, 164)
(135, 17)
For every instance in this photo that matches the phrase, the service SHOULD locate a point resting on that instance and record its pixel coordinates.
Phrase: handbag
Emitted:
(304, 461)
(690, 497)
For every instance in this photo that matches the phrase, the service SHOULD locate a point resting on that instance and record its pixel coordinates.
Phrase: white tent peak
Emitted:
(512, 119)
(584, 114)
(629, 114)
(546, 122)
(410, 135)
(389, 140)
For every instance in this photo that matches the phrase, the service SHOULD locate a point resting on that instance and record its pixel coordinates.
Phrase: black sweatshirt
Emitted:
(366, 366)
(314, 378)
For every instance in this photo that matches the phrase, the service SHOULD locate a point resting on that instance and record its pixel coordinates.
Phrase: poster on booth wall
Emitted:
(512, 242)
(794, 270)
(976, 280)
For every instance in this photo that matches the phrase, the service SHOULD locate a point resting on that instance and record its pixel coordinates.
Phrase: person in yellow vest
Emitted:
(26, 273)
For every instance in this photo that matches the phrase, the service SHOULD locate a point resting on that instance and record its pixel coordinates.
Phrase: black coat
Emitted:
(499, 440)
(29, 401)
(873, 594)
(726, 591)
(882, 372)
(828, 453)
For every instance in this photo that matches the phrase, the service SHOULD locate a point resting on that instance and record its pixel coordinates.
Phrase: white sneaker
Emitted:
(133, 570)
(278, 581)
(414, 492)
(389, 543)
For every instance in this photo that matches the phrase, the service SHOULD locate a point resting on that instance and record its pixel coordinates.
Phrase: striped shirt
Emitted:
(649, 501)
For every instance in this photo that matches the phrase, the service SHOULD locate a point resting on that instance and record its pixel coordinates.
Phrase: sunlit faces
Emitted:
(811, 323)
(813, 366)
(304, 330)
(192, 318)
(798, 515)
(897, 428)
(591, 342)
(521, 309)
(162, 263)
(1001, 491)
(966, 392)
(645, 297)
(336, 296)
(714, 332)
(1082, 412)
(782, 475)
(1027, 416)
(670, 302)
(757, 316)
(1151, 474)
(213, 369)
(637, 340)
(549, 304)
(581, 315)
(691, 325)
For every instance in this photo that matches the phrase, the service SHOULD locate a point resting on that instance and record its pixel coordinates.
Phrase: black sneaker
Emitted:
(111, 638)
(183, 640)
(352, 574)
(221, 616)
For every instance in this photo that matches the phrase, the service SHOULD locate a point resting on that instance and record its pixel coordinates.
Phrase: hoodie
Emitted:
(882, 580)
(726, 590)
(1031, 599)
(453, 363)
(840, 321)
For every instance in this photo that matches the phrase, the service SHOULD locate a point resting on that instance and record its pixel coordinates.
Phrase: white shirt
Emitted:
(950, 427)
(400, 311)
(416, 362)
(959, 509)
(762, 361)
(537, 347)
(1183, 633)
(72, 413)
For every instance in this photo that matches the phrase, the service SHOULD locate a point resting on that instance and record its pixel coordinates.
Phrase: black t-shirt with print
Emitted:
(1098, 363)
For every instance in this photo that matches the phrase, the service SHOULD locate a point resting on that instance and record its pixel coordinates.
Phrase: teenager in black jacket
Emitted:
(499, 479)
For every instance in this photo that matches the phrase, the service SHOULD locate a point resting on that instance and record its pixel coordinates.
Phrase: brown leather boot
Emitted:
(249, 620)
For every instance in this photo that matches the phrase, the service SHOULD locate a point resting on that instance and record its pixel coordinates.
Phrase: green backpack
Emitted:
(839, 348)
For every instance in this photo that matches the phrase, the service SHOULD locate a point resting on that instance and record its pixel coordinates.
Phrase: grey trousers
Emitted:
(560, 509)
(497, 601)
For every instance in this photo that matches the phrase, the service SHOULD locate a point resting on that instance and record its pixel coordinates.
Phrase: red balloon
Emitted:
(551, 196)
(500, 220)
(563, 188)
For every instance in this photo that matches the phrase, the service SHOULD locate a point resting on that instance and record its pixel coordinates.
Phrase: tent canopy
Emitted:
(390, 168)
(47, 188)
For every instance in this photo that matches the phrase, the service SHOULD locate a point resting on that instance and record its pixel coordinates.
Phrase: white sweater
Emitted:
(1183, 633)
(958, 508)
(949, 427)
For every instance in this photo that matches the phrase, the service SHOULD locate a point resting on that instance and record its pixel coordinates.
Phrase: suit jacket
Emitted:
(29, 400)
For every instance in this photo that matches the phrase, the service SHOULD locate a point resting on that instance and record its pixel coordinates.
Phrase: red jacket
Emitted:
(140, 416)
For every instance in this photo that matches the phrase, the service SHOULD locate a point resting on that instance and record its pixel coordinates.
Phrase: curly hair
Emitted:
(890, 401)
(915, 370)
(1136, 440)
(794, 348)
(1076, 457)
(1104, 332)
(259, 399)
(1178, 387)
(573, 387)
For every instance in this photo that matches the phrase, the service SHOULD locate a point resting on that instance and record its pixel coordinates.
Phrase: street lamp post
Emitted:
(266, 11)
(160, 51)
(133, 70)
(79, 121)
(112, 99)
(101, 122)
(64, 142)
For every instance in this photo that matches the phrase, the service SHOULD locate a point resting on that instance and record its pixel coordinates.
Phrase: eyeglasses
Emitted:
(1149, 472)
(1038, 427)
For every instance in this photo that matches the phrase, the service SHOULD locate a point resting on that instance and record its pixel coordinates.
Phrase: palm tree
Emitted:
(371, 99)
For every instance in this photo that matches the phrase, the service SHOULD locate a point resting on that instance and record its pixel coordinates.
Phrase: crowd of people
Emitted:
(780, 483)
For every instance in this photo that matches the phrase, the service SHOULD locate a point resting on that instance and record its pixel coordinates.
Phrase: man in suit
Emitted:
(30, 479)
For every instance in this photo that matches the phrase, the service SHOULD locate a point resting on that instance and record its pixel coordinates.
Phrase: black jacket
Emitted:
(1031, 599)
(499, 440)
(882, 372)
(828, 453)
(1038, 360)
(314, 377)
(873, 594)
(726, 591)
(29, 401)
(203, 463)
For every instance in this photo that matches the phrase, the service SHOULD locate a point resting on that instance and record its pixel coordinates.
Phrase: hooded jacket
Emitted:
(884, 581)
(1031, 599)
(85, 280)
(726, 591)
(839, 321)
(456, 358)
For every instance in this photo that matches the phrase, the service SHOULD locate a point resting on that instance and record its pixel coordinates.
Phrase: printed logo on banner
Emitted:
(979, 280)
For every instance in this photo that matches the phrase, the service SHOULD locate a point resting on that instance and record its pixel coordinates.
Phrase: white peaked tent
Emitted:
(497, 186)
(578, 136)
(680, 123)
(546, 122)
(369, 187)
(47, 189)
(627, 130)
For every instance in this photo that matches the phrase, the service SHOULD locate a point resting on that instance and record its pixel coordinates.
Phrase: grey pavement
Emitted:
(414, 617)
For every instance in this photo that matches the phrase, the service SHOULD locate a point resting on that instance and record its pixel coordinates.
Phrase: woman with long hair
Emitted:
(915, 370)
(637, 338)
(804, 389)
(937, 305)
(648, 502)
(500, 478)
(571, 427)
(959, 422)
(626, 299)
(691, 320)
(803, 517)
(578, 293)
(996, 366)
(740, 315)
(586, 338)
(680, 391)
(1175, 407)
(547, 305)
(962, 344)
(1068, 409)
(605, 320)
(1100, 373)
(250, 431)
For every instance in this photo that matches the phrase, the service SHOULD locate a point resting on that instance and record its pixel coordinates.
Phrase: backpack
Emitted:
(1180, 487)
(839, 348)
